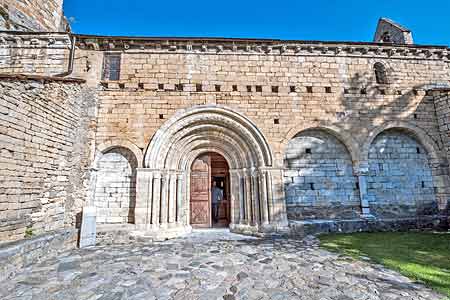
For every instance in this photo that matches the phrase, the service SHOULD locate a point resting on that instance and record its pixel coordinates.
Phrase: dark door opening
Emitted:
(210, 177)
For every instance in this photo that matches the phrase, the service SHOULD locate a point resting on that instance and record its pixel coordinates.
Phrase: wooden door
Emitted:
(200, 192)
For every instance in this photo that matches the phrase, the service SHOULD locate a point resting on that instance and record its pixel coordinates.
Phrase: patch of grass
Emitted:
(420, 256)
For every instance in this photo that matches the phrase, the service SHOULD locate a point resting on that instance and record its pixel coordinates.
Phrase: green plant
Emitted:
(28, 232)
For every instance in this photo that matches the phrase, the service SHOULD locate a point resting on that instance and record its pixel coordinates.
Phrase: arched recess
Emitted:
(418, 133)
(115, 187)
(319, 180)
(402, 171)
(104, 147)
(164, 181)
(339, 133)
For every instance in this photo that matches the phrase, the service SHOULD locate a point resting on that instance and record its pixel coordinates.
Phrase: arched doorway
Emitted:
(163, 185)
(209, 180)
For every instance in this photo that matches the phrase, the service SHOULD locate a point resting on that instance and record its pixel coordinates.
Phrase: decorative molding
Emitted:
(224, 46)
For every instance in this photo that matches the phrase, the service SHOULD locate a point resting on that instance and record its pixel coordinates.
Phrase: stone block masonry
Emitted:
(44, 154)
(32, 15)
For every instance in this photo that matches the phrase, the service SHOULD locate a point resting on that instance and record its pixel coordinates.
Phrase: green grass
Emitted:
(423, 257)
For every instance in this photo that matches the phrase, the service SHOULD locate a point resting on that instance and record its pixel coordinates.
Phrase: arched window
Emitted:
(386, 37)
(380, 73)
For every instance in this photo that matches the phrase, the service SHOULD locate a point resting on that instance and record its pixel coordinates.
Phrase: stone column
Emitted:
(263, 197)
(143, 197)
(362, 172)
(241, 197)
(164, 200)
(156, 199)
(277, 209)
(248, 196)
(255, 197)
(233, 198)
(172, 197)
(180, 200)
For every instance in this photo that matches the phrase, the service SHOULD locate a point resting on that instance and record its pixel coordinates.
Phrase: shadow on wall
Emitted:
(403, 178)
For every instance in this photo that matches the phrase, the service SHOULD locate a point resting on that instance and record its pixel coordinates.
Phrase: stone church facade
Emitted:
(127, 134)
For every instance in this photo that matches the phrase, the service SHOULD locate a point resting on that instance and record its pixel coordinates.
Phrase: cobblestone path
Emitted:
(210, 265)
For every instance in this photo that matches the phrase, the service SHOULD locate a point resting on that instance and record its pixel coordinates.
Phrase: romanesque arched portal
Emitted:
(163, 183)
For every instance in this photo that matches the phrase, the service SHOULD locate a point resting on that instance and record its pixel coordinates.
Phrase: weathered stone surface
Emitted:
(210, 265)
(15, 256)
(32, 15)
(44, 155)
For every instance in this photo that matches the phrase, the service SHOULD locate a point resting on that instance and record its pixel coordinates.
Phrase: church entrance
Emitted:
(210, 192)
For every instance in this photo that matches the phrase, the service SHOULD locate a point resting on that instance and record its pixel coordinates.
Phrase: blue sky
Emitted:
(327, 20)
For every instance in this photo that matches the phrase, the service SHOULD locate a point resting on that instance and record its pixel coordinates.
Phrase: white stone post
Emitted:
(88, 230)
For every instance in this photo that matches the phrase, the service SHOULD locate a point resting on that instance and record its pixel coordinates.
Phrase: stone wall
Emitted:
(284, 93)
(44, 154)
(115, 194)
(442, 101)
(15, 256)
(319, 180)
(35, 54)
(400, 181)
(32, 15)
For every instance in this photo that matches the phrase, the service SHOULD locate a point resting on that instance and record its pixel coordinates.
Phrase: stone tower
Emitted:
(389, 31)
(32, 15)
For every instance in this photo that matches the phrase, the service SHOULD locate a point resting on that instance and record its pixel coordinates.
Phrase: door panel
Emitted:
(200, 192)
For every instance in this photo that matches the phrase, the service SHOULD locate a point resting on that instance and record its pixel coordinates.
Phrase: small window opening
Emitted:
(380, 73)
(386, 37)
(217, 87)
(258, 89)
(346, 91)
(274, 89)
(382, 92)
(249, 88)
(328, 90)
(364, 91)
(308, 151)
(357, 185)
(292, 89)
(311, 186)
(415, 116)
(309, 89)
(161, 116)
(160, 86)
(141, 86)
(179, 87)
(423, 184)
(276, 121)
(121, 86)
(235, 88)
(399, 92)
(111, 66)
(418, 150)
(198, 87)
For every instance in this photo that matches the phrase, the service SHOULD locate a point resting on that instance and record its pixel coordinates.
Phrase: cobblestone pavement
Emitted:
(210, 265)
